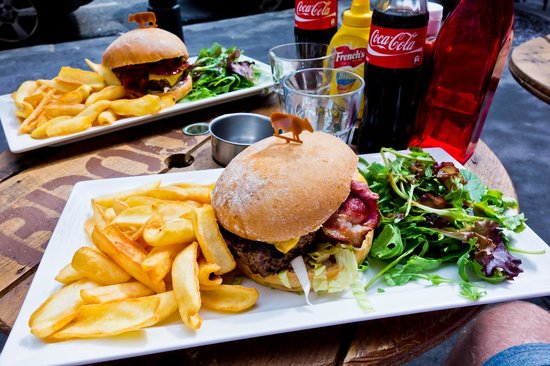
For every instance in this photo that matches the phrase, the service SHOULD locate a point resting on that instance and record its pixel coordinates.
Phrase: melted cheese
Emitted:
(285, 246)
(172, 79)
(358, 177)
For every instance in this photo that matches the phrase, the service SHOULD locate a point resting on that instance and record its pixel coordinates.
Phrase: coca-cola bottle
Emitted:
(394, 60)
(315, 20)
(469, 56)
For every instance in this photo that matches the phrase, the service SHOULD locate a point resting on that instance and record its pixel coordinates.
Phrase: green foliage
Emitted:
(217, 71)
(433, 213)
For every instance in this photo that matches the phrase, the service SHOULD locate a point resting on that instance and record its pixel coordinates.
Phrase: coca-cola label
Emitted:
(396, 48)
(351, 57)
(315, 14)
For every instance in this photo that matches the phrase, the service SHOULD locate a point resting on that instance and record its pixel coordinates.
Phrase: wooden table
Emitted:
(530, 66)
(36, 185)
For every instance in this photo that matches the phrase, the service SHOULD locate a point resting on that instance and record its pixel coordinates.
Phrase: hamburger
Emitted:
(279, 201)
(150, 61)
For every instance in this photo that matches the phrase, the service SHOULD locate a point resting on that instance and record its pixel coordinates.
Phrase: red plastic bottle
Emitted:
(469, 56)
(393, 69)
(315, 20)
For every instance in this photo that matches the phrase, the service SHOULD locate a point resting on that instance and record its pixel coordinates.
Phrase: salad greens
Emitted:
(432, 214)
(217, 71)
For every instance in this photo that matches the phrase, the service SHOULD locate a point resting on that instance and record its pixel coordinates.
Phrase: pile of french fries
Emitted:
(155, 250)
(76, 100)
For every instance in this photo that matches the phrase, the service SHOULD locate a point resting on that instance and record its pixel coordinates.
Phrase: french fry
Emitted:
(168, 305)
(89, 226)
(93, 110)
(171, 210)
(126, 253)
(232, 298)
(207, 273)
(79, 95)
(96, 266)
(100, 217)
(107, 117)
(69, 126)
(30, 122)
(41, 130)
(68, 275)
(140, 200)
(158, 231)
(159, 261)
(78, 76)
(59, 309)
(112, 318)
(56, 109)
(59, 85)
(211, 241)
(133, 216)
(167, 101)
(110, 213)
(174, 193)
(108, 76)
(147, 104)
(119, 206)
(107, 200)
(36, 98)
(186, 286)
(210, 186)
(111, 92)
(26, 89)
(119, 291)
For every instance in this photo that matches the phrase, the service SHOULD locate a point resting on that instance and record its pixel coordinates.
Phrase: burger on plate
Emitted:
(150, 60)
(278, 203)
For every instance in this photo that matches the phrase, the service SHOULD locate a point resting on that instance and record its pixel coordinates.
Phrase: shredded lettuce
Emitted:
(300, 269)
(320, 279)
(348, 274)
(283, 276)
(348, 277)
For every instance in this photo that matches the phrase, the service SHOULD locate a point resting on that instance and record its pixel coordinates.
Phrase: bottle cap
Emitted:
(359, 15)
(436, 14)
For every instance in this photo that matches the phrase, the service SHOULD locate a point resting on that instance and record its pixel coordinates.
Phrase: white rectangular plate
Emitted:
(19, 143)
(275, 312)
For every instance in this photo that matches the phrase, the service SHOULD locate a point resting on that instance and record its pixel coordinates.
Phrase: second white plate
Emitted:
(19, 143)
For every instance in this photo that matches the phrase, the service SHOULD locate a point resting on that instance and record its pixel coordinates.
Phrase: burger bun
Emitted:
(275, 191)
(143, 45)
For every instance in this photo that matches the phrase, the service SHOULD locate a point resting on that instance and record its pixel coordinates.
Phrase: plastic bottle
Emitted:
(394, 60)
(315, 20)
(469, 56)
(351, 41)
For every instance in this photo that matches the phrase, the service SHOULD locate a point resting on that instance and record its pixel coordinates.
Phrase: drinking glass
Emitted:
(291, 57)
(329, 98)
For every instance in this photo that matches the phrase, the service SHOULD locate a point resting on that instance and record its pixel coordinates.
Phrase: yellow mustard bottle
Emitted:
(351, 42)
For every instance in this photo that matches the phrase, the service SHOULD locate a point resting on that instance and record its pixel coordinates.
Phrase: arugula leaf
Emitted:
(388, 244)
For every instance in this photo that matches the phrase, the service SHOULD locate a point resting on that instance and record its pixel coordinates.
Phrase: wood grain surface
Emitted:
(530, 66)
(35, 187)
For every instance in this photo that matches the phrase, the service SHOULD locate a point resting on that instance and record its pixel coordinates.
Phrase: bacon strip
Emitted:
(357, 215)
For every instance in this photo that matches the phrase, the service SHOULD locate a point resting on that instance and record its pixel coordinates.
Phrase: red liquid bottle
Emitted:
(469, 56)
(393, 70)
(315, 20)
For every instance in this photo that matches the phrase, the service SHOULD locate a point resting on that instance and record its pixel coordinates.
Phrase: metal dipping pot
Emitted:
(232, 133)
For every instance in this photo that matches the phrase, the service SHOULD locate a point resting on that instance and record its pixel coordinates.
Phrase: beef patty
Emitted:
(262, 258)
